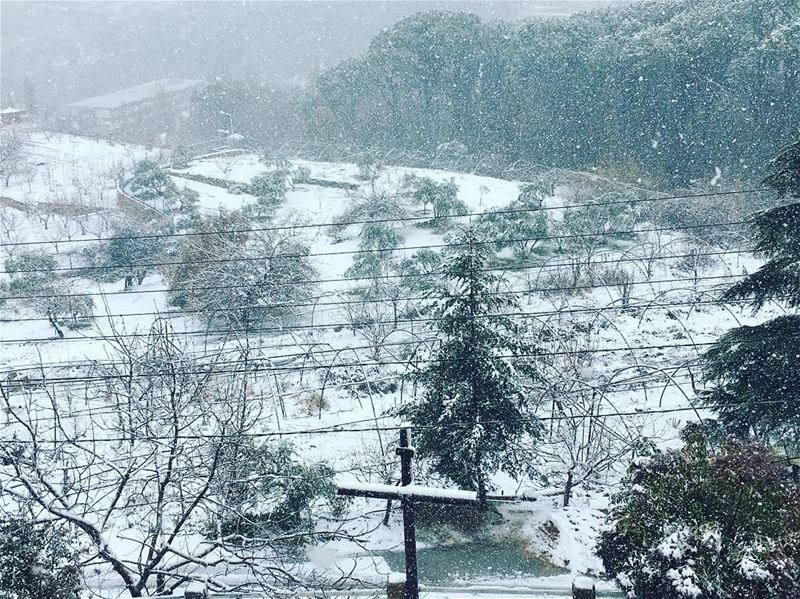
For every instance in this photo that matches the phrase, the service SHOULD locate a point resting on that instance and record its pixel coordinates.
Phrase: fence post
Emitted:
(583, 588)
(196, 590)
(396, 586)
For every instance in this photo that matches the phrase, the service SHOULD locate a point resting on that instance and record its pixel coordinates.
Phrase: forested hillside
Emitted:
(666, 90)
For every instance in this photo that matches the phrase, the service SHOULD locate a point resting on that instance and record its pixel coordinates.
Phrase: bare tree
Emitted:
(12, 157)
(152, 464)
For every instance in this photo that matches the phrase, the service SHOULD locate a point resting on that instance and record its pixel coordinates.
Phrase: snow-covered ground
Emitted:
(653, 346)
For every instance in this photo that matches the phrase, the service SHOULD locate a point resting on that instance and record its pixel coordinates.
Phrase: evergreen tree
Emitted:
(519, 226)
(755, 368)
(475, 416)
(131, 250)
(711, 523)
(36, 561)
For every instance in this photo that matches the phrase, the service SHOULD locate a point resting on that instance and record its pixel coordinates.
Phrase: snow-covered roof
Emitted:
(10, 110)
(135, 94)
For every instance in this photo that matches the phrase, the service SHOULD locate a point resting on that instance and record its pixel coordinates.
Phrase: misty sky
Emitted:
(71, 50)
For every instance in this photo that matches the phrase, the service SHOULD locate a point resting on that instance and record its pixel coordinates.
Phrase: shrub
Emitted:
(287, 499)
(36, 561)
(150, 181)
(442, 197)
(269, 188)
(240, 280)
(706, 522)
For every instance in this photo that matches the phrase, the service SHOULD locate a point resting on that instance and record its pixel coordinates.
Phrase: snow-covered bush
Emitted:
(706, 522)
(37, 561)
(286, 500)
(31, 272)
(240, 280)
(519, 226)
(133, 251)
(150, 181)
(441, 197)
(609, 217)
(270, 188)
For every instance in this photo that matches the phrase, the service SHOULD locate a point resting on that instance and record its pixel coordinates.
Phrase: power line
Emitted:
(589, 235)
(385, 277)
(396, 219)
(316, 304)
(283, 329)
(416, 361)
(564, 417)
(637, 381)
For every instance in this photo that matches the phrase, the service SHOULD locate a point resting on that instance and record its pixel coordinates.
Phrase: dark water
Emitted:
(472, 562)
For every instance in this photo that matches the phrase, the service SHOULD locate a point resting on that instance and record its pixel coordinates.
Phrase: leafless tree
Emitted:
(12, 158)
(143, 463)
(225, 163)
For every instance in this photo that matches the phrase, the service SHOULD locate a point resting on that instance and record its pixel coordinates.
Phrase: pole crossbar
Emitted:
(408, 494)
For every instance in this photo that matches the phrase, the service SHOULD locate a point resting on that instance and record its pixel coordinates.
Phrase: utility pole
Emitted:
(406, 453)
(408, 494)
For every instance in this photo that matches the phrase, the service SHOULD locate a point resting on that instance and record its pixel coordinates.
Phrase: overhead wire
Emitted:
(297, 226)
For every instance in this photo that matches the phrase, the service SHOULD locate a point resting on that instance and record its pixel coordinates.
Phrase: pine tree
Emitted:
(755, 368)
(475, 416)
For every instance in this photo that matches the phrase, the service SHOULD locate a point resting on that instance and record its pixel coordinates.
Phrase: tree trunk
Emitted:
(387, 512)
(568, 489)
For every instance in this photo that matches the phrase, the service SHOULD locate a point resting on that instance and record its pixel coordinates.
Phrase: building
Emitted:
(11, 115)
(147, 113)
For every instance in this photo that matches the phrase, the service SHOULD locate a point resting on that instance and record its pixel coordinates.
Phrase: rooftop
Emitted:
(135, 94)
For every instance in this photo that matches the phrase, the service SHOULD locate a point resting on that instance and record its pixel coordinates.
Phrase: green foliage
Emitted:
(421, 272)
(519, 225)
(240, 280)
(271, 491)
(705, 522)
(38, 281)
(442, 197)
(269, 188)
(37, 561)
(754, 369)
(647, 84)
(181, 157)
(381, 238)
(756, 376)
(475, 415)
(150, 181)
(610, 213)
(131, 253)
(784, 170)
(57, 302)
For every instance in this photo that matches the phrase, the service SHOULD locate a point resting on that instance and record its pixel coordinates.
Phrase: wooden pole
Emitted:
(196, 590)
(583, 588)
(406, 453)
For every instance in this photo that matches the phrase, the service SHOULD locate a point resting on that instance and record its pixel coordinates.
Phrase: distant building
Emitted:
(11, 115)
(145, 113)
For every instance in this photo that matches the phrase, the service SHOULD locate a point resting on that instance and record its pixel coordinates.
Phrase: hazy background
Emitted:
(72, 50)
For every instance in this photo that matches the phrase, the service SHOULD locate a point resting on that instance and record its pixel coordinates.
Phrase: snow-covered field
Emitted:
(653, 342)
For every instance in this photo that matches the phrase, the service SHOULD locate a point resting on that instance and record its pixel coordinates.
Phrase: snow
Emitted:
(414, 491)
(138, 93)
(64, 160)
(584, 583)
